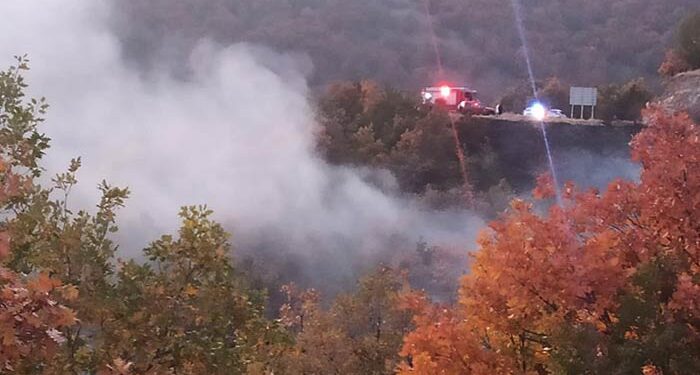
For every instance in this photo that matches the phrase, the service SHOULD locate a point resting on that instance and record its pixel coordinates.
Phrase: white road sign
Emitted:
(583, 96)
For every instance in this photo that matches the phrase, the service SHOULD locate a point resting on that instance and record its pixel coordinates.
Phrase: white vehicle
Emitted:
(556, 113)
(539, 112)
(536, 111)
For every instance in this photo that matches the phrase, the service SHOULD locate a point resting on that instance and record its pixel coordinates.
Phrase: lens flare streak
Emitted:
(517, 11)
(445, 92)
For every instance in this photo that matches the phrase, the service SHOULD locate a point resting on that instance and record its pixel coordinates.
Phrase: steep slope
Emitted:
(683, 94)
(584, 42)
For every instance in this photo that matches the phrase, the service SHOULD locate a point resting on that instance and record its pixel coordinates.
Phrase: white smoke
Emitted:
(236, 135)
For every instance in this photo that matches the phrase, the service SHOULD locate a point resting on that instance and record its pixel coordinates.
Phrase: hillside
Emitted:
(588, 155)
(583, 42)
(176, 206)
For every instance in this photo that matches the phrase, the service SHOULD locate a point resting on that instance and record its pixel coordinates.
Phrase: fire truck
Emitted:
(456, 99)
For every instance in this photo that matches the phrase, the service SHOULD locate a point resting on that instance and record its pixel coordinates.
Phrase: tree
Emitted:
(47, 237)
(32, 318)
(686, 54)
(321, 346)
(517, 97)
(362, 121)
(31, 321)
(369, 148)
(361, 333)
(374, 321)
(688, 40)
(673, 64)
(608, 283)
(623, 102)
(391, 42)
(551, 92)
(445, 343)
(554, 93)
(186, 310)
(426, 155)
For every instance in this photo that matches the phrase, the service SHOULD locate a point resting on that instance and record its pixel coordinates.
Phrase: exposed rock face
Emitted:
(683, 94)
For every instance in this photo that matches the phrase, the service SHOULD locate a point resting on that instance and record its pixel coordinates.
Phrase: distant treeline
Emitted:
(589, 42)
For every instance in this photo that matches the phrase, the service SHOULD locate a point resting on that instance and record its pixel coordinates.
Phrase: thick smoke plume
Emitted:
(237, 134)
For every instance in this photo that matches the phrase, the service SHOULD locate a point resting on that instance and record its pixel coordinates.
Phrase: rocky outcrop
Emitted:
(683, 94)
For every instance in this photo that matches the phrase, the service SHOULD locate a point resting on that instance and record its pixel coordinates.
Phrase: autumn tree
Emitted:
(81, 310)
(605, 284)
(362, 121)
(32, 318)
(426, 155)
(673, 64)
(685, 55)
(361, 333)
(47, 237)
(623, 102)
(444, 342)
(365, 124)
(321, 346)
(339, 112)
(187, 310)
(373, 320)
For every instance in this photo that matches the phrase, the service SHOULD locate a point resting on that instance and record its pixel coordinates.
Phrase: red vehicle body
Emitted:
(455, 99)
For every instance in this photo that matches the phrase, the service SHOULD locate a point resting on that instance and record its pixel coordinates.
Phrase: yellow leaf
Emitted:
(70, 292)
(600, 326)
(191, 290)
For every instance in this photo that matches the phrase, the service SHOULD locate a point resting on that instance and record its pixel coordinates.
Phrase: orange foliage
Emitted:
(651, 370)
(30, 319)
(545, 187)
(673, 64)
(445, 342)
(533, 273)
(30, 316)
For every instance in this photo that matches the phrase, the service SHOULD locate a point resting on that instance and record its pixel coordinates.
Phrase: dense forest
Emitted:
(605, 284)
(589, 42)
(580, 278)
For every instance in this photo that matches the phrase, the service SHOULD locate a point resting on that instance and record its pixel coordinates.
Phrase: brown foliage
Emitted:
(30, 320)
(361, 333)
